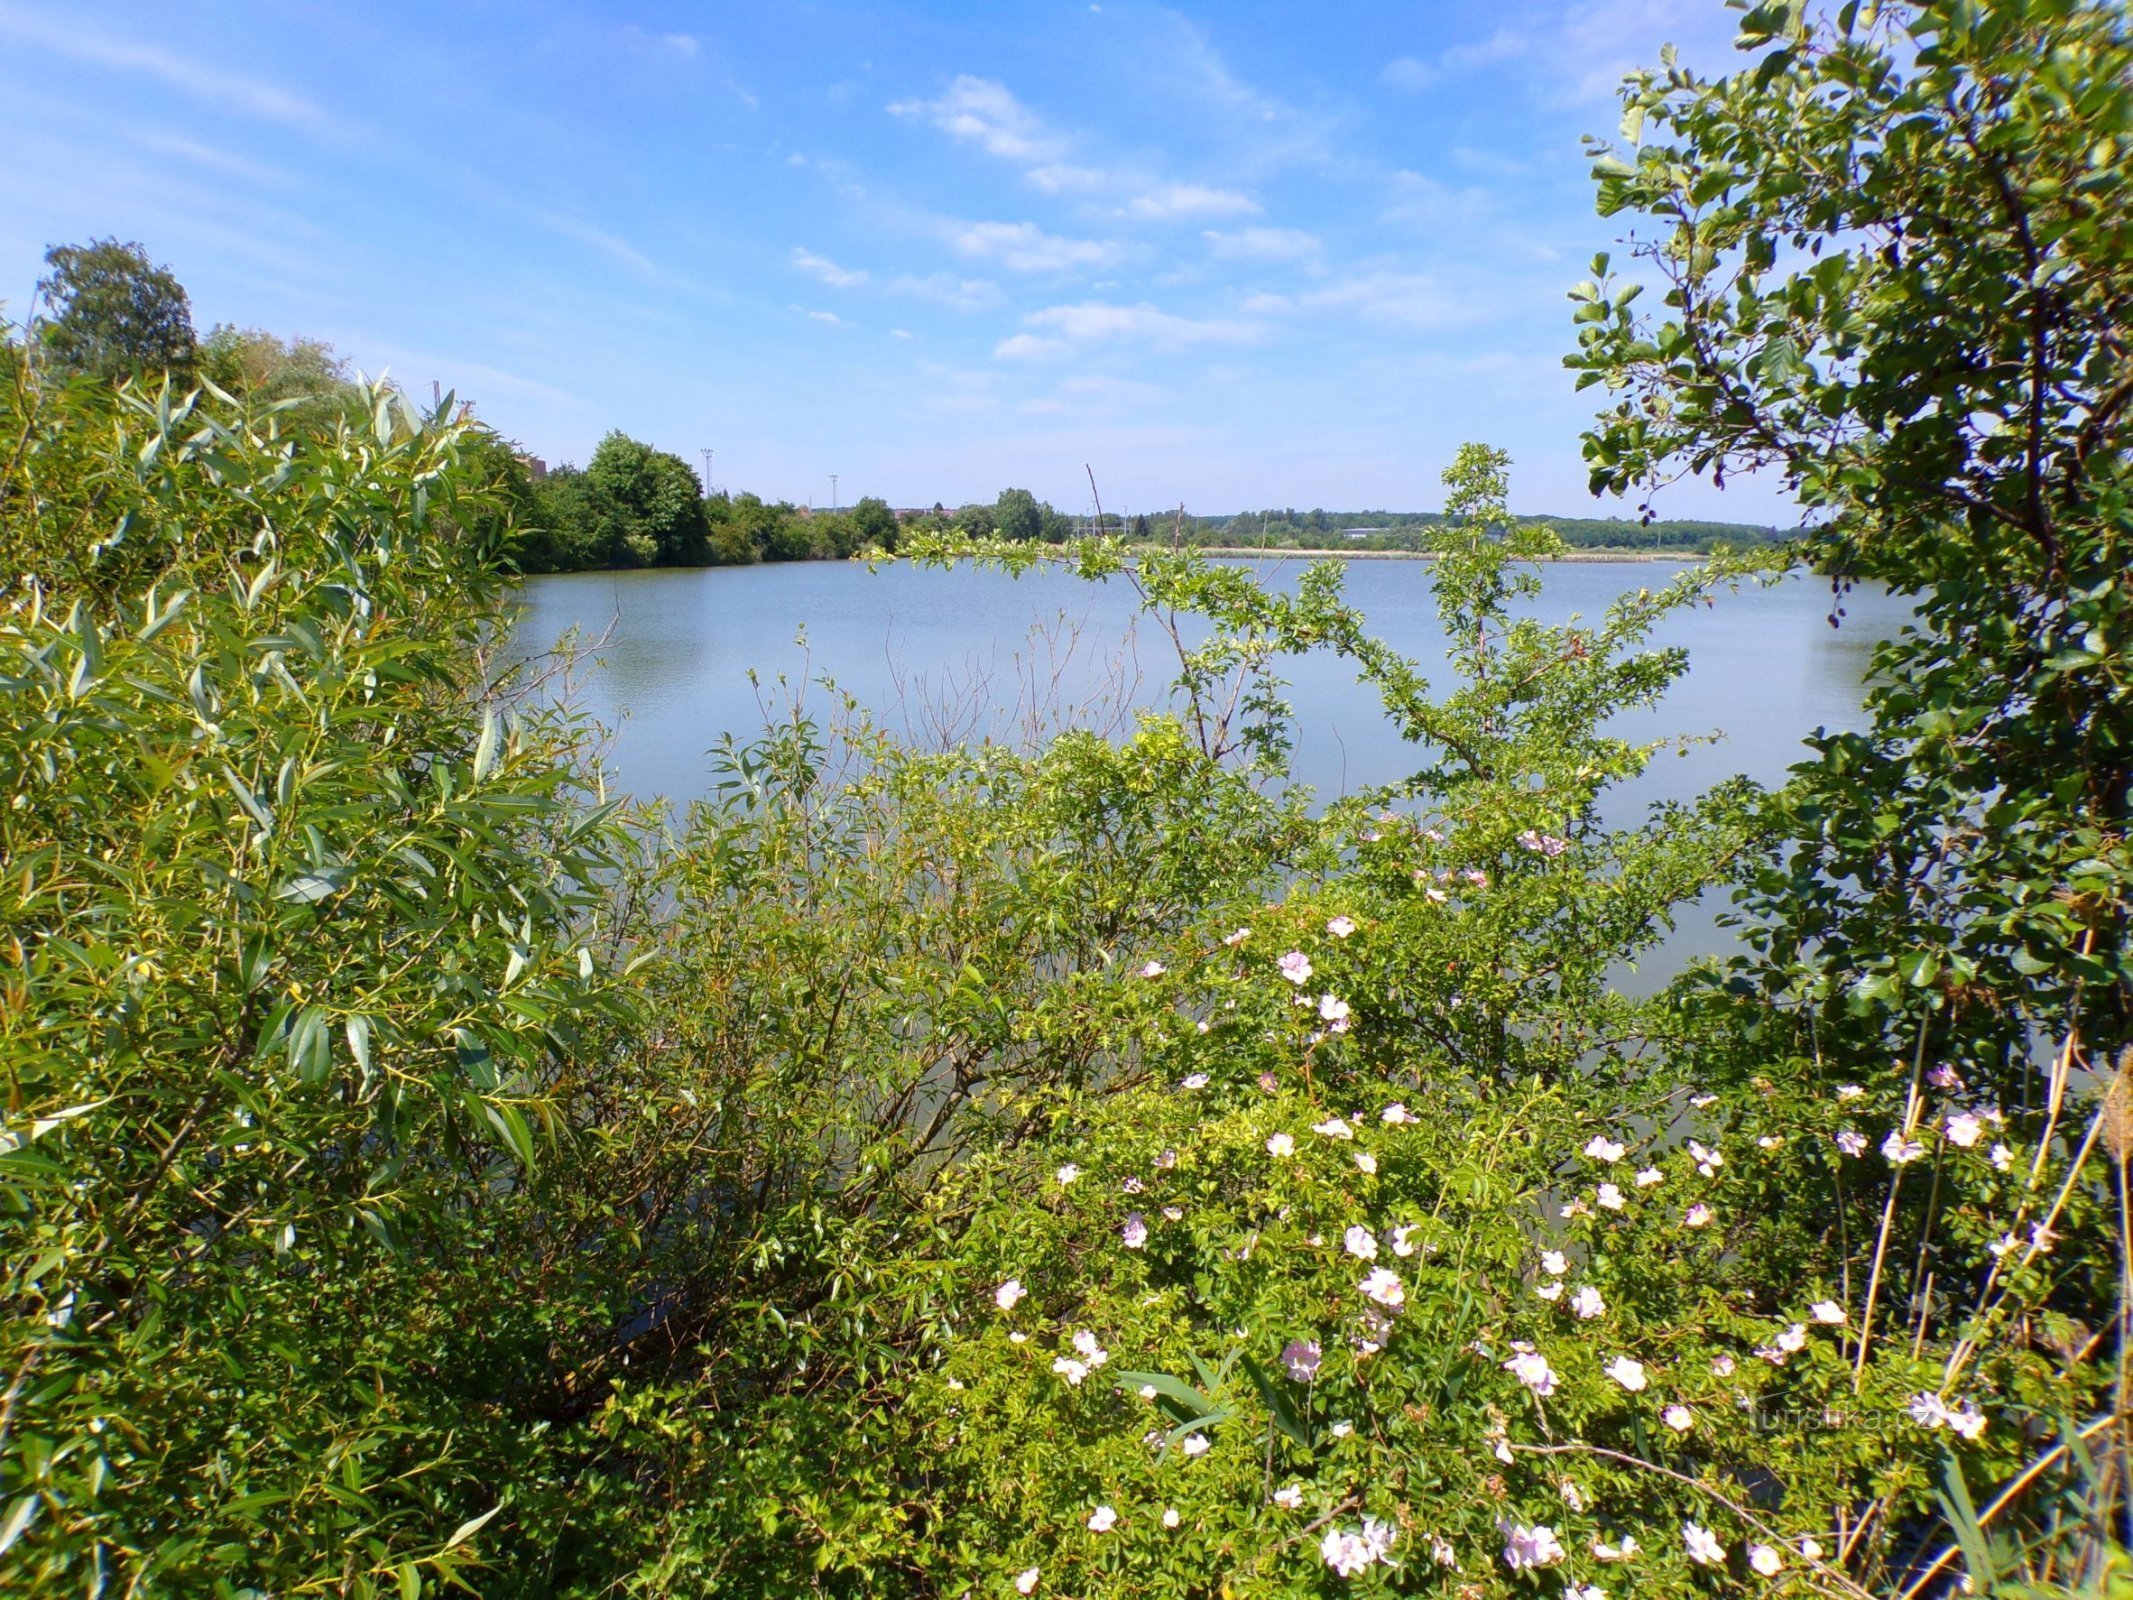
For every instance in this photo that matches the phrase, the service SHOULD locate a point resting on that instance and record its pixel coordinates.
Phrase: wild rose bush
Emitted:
(1314, 1329)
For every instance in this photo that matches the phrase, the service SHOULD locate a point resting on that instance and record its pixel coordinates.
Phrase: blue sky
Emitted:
(1235, 256)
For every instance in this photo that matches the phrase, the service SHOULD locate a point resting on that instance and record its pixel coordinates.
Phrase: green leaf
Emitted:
(1962, 1518)
(248, 800)
(308, 888)
(310, 1048)
(466, 1530)
(485, 751)
(18, 1518)
(1185, 1402)
(1278, 1403)
(358, 1030)
(511, 1130)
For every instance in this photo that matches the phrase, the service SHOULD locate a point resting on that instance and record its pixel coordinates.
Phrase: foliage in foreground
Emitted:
(929, 1170)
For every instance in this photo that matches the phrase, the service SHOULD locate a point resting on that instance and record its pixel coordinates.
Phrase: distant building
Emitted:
(1362, 533)
(536, 468)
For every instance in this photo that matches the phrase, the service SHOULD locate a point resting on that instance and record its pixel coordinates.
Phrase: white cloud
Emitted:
(1100, 322)
(961, 294)
(1175, 200)
(1408, 74)
(1264, 134)
(1412, 76)
(1505, 44)
(829, 317)
(251, 96)
(987, 114)
(1421, 199)
(1267, 305)
(683, 44)
(1024, 247)
(827, 270)
(1061, 179)
(899, 333)
(616, 249)
(1490, 163)
(1099, 386)
(1264, 244)
(1402, 299)
(1596, 44)
(420, 368)
(1405, 72)
(215, 160)
(1027, 346)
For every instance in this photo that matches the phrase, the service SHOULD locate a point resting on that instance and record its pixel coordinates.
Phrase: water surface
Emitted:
(967, 652)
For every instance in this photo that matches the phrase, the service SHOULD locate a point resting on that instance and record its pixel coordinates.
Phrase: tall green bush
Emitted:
(302, 930)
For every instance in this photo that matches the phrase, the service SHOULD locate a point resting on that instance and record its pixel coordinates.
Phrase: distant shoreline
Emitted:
(1241, 552)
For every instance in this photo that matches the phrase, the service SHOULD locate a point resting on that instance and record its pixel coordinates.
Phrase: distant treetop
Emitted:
(114, 313)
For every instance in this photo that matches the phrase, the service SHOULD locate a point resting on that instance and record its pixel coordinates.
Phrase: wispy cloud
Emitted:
(1420, 199)
(1057, 328)
(1264, 132)
(1061, 179)
(1024, 247)
(1577, 57)
(957, 293)
(610, 245)
(987, 114)
(1190, 201)
(1265, 244)
(1406, 73)
(222, 161)
(251, 96)
(1410, 300)
(827, 270)
(420, 367)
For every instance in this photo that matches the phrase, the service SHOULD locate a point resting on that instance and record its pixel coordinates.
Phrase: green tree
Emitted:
(834, 536)
(727, 539)
(566, 532)
(301, 377)
(1018, 515)
(876, 522)
(1898, 264)
(776, 531)
(114, 313)
(648, 503)
(290, 1063)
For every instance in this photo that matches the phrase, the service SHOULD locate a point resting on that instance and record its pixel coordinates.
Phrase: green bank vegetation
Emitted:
(1085, 1168)
(114, 313)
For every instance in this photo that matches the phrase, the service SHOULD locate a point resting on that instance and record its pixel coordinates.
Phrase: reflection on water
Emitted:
(970, 653)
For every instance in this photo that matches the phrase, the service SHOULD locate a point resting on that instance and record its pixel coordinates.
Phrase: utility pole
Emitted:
(833, 491)
(707, 453)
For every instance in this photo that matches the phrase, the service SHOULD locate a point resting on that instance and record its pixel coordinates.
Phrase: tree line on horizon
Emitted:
(112, 313)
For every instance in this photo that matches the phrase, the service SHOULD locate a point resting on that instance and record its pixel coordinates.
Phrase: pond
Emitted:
(685, 656)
